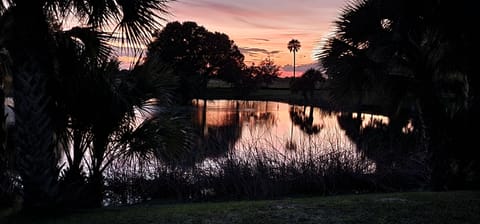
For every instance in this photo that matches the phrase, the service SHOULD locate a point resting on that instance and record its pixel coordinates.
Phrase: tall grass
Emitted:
(259, 171)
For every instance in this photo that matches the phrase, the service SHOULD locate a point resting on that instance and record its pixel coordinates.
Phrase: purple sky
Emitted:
(262, 28)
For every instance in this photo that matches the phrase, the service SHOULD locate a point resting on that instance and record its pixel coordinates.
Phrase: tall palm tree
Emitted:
(294, 46)
(28, 29)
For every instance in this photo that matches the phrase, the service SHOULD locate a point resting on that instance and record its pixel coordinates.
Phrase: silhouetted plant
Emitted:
(407, 58)
(255, 172)
(308, 83)
(116, 115)
(30, 32)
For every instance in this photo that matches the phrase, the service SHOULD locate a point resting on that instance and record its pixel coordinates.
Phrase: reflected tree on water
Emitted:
(304, 121)
(214, 136)
(218, 129)
(378, 139)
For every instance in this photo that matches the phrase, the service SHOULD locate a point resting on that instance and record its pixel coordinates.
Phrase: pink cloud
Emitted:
(265, 24)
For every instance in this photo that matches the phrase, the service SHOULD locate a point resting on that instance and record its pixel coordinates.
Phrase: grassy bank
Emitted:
(269, 94)
(279, 91)
(419, 207)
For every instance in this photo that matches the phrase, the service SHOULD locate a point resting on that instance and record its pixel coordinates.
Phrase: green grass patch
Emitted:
(417, 207)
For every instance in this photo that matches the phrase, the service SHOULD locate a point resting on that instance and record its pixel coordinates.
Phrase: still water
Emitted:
(274, 128)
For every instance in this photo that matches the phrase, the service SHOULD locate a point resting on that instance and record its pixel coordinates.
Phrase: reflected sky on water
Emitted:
(275, 126)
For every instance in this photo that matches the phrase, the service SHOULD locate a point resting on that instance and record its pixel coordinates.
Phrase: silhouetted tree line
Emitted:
(197, 55)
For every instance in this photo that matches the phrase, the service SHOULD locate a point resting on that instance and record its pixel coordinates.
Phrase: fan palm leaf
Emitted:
(409, 51)
(29, 31)
(134, 20)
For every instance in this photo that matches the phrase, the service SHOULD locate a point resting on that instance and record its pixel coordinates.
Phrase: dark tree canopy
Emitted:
(307, 83)
(196, 55)
(415, 60)
(266, 72)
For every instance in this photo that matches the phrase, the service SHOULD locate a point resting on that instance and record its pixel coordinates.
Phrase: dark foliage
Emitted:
(196, 55)
(259, 176)
(407, 58)
(308, 83)
(266, 72)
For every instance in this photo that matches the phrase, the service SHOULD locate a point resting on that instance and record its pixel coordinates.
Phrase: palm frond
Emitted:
(164, 136)
(93, 43)
(294, 45)
(97, 13)
(155, 80)
(136, 20)
(67, 10)
(140, 19)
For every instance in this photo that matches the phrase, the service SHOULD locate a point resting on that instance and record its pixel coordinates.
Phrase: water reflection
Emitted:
(281, 130)
(304, 121)
(390, 143)
(217, 128)
(227, 125)
(271, 142)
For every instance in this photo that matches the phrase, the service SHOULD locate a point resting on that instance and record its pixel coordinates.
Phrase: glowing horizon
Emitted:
(262, 28)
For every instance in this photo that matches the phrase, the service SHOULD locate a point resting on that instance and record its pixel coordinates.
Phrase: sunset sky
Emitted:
(264, 27)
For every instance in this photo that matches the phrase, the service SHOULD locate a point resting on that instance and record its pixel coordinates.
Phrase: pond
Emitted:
(254, 149)
(274, 128)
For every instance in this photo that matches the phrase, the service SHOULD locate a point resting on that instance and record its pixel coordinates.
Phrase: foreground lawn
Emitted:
(426, 207)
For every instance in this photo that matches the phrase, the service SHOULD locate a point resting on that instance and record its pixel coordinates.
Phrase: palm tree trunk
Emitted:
(3, 125)
(436, 139)
(77, 150)
(33, 130)
(34, 138)
(4, 180)
(293, 65)
(96, 179)
(74, 174)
